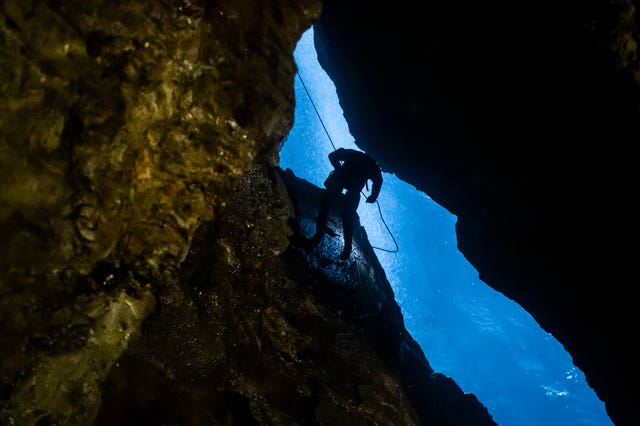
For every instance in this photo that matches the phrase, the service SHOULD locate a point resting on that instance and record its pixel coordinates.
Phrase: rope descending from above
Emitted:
(334, 148)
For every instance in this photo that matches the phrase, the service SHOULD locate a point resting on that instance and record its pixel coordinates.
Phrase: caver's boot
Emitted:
(312, 242)
(346, 252)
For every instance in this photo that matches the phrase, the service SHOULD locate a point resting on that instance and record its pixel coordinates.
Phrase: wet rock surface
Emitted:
(123, 127)
(254, 333)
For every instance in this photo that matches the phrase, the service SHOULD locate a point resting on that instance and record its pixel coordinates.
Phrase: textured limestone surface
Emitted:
(123, 126)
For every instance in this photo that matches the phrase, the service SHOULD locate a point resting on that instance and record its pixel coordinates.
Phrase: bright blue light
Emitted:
(487, 343)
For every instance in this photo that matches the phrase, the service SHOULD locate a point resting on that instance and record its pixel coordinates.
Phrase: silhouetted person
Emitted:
(352, 170)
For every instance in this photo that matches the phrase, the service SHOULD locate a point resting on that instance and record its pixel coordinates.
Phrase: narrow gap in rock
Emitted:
(487, 343)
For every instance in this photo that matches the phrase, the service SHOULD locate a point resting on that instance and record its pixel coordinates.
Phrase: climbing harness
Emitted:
(334, 148)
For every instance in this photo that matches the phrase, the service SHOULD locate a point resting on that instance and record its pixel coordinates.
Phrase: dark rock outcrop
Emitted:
(520, 119)
(259, 331)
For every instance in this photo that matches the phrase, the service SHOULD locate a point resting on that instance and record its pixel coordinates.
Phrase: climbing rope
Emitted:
(334, 148)
(316, 110)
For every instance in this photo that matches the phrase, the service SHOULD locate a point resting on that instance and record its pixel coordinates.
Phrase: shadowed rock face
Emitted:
(520, 119)
(146, 271)
(259, 331)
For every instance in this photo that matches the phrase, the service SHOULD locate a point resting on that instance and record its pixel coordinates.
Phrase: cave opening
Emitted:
(487, 343)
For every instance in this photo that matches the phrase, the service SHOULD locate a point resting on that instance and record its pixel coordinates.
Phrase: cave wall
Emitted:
(261, 331)
(520, 119)
(124, 126)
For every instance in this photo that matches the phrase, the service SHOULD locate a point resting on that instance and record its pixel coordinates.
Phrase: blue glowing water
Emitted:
(487, 343)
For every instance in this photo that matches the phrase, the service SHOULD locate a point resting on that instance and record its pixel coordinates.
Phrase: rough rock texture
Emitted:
(141, 279)
(258, 331)
(123, 126)
(521, 119)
